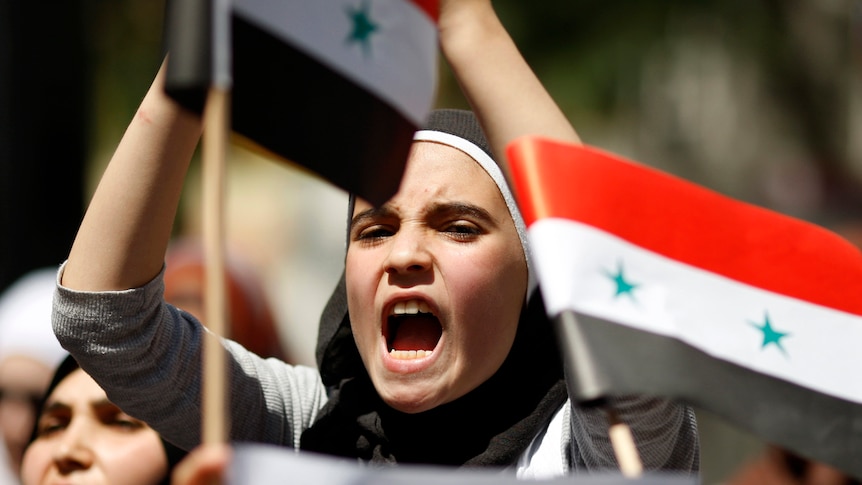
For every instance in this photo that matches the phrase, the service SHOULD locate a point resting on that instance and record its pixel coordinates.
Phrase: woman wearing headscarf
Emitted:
(81, 437)
(434, 347)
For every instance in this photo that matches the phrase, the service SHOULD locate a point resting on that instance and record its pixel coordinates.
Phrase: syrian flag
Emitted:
(681, 292)
(337, 86)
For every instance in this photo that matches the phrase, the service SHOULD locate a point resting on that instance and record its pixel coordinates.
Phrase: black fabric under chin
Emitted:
(337, 355)
(490, 426)
(467, 432)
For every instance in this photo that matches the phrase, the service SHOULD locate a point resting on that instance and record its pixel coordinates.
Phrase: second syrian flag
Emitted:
(685, 293)
(337, 86)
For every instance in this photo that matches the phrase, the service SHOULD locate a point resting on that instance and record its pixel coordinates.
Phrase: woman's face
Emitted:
(436, 279)
(84, 438)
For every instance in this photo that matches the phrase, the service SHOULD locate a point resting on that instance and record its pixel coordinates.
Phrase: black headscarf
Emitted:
(491, 425)
(173, 454)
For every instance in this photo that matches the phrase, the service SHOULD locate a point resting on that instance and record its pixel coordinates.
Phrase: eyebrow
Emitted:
(61, 406)
(372, 213)
(435, 210)
(461, 209)
(54, 407)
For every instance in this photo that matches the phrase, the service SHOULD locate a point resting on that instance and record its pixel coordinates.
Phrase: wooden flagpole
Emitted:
(215, 143)
(217, 126)
(624, 446)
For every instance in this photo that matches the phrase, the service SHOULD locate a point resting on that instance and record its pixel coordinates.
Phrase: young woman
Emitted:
(434, 348)
(82, 437)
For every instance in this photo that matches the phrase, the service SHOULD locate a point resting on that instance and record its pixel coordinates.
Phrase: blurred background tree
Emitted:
(757, 99)
(760, 100)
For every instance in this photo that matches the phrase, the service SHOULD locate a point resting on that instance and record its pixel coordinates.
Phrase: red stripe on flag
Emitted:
(430, 7)
(686, 222)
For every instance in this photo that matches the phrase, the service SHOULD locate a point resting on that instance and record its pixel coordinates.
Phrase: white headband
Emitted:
(491, 167)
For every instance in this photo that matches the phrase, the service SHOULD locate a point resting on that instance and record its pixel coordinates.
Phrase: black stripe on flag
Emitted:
(299, 109)
(295, 107)
(808, 422)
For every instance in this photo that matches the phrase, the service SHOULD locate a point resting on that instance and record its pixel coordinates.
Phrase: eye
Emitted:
(127, 423)
(51, 425)
(372, 233)
(462, 230)
(122, 421)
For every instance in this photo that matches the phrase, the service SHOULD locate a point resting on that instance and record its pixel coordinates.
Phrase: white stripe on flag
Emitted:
(398, 63)
(576, 265)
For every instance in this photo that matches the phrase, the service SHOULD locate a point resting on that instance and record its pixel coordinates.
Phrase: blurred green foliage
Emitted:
(624, 72)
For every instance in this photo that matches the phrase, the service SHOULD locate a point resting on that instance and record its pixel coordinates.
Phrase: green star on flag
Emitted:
(363, 26)
(701, 259)
(770, 335)
(624, 286)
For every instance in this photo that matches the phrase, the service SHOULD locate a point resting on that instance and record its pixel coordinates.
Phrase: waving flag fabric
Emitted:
(338, 86)
(685, 293)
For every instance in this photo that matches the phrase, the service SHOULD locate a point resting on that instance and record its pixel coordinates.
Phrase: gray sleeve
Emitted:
(665, 434)
(146, 354)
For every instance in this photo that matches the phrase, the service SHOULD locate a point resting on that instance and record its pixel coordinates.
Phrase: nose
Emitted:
(409, 253)
(73, 451)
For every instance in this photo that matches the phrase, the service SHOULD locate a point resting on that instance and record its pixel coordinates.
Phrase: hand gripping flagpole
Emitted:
(215, 142)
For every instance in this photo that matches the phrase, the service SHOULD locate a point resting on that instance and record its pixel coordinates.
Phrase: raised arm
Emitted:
(502, 89)
(122, 240)
(511, 102)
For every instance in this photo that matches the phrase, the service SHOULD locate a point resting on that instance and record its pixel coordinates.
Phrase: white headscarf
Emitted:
(25, 319)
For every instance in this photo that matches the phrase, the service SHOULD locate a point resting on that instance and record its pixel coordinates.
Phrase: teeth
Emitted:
(411, 307)
(410, 354)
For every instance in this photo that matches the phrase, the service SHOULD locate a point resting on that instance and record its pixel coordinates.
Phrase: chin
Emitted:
(410, 407)
(410, 401)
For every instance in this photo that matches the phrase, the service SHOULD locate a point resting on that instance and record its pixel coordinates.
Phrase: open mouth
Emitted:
(412, 330)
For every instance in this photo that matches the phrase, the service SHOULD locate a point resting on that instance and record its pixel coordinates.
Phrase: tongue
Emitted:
(416, 333)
